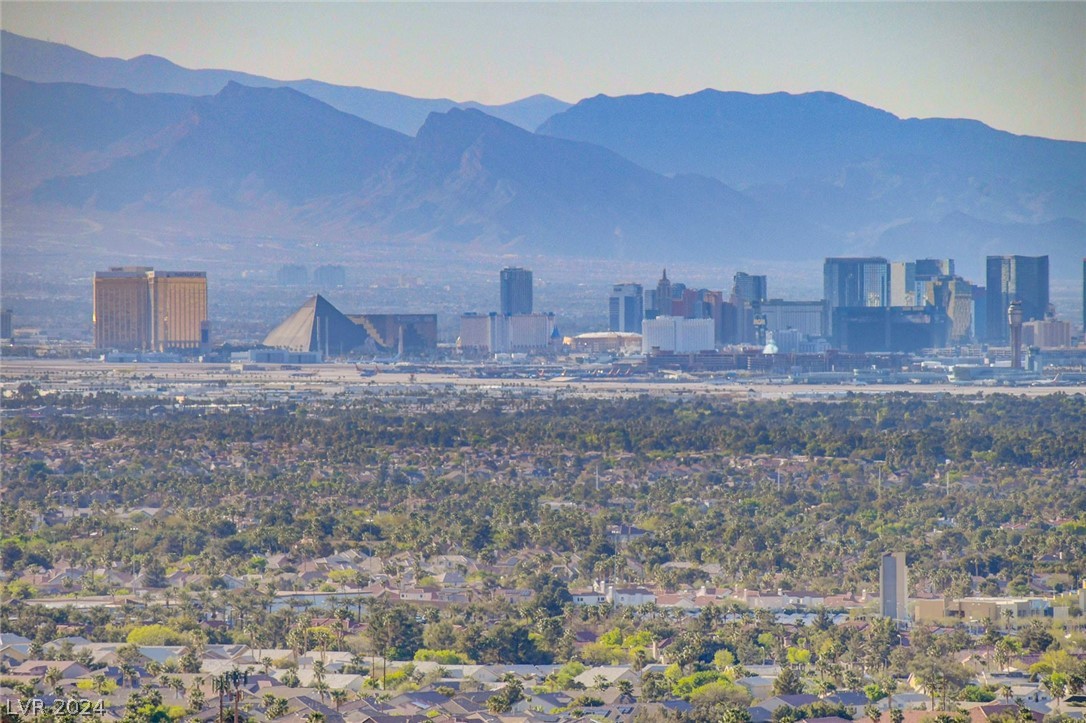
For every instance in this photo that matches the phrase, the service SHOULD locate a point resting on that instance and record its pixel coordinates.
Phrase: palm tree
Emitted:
(128, 674)
(1002, 653)
(178, 685)
(889, 684)
(220, 684)
(236, 679)
(339, 696)
(196, 696)
(98, 681)
(53, 677)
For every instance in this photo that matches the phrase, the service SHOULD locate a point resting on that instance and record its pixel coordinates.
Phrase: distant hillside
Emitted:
(712, 178)
(470, 177)
(46, 62)
(242, 146)
(259, 157)
(849, 169)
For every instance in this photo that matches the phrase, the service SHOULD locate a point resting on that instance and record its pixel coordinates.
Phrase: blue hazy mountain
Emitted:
(47, 62)
(712, 176)
(261, 157)
(853, 171)
(469, 177)
(782, 140)
(112, 148)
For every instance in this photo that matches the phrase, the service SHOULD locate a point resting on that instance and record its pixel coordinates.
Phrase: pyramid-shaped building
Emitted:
(317, 326)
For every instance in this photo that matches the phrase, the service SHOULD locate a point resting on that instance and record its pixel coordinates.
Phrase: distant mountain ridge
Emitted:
(705, 177)
(45, 62)
(752, 141)
(260, 157)
(236, 144)
(855, 172)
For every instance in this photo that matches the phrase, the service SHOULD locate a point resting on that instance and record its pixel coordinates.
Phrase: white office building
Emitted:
(676, 334)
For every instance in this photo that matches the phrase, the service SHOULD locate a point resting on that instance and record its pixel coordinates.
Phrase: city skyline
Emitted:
(963, 312)
(755, 404)
(1019, 67)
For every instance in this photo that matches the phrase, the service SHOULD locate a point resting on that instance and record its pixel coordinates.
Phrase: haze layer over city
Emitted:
(543, 362)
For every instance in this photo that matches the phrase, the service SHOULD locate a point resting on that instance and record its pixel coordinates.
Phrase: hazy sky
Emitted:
(1017, 66)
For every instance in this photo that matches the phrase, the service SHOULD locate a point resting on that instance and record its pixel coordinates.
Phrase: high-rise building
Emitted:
(930, 268)
(178, 310)
(893, 587)
(6, 331)
(854, 282)
(721, 312)
(748, 294)
(122, 309)
(749, 288)
(903, 283)
(803, 316)
(626, 307)
(505, 333)
(139, 309)
(693, 304)
(650, 304)
(675, 334)
(516, 291)
(292, 275)
(954, 296)
(1046, 334)
(980, 315)
(907, 329)
(663, 296)
(330, 277)
(1015, 278)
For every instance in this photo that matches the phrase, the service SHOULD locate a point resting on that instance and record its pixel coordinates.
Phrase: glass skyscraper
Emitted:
(1015, 278)
(516, 291)
(852, 282)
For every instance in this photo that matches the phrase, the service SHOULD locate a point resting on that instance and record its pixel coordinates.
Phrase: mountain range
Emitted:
(711, 177)
(47, 62)
(466, 177)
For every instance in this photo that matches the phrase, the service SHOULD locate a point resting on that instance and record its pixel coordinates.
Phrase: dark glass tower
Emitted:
(626, 307)
(1015, 278)
(854, 282)
(516, 291)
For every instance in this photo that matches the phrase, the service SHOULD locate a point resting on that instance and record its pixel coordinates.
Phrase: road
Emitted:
(220, 381)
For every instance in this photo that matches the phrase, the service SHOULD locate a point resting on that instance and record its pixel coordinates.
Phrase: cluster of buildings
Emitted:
(515, 329)
(138, 309)
(329, 276)
(869, 304)
(319, 330)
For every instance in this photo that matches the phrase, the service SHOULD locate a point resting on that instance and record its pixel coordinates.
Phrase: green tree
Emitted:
(788, 682)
